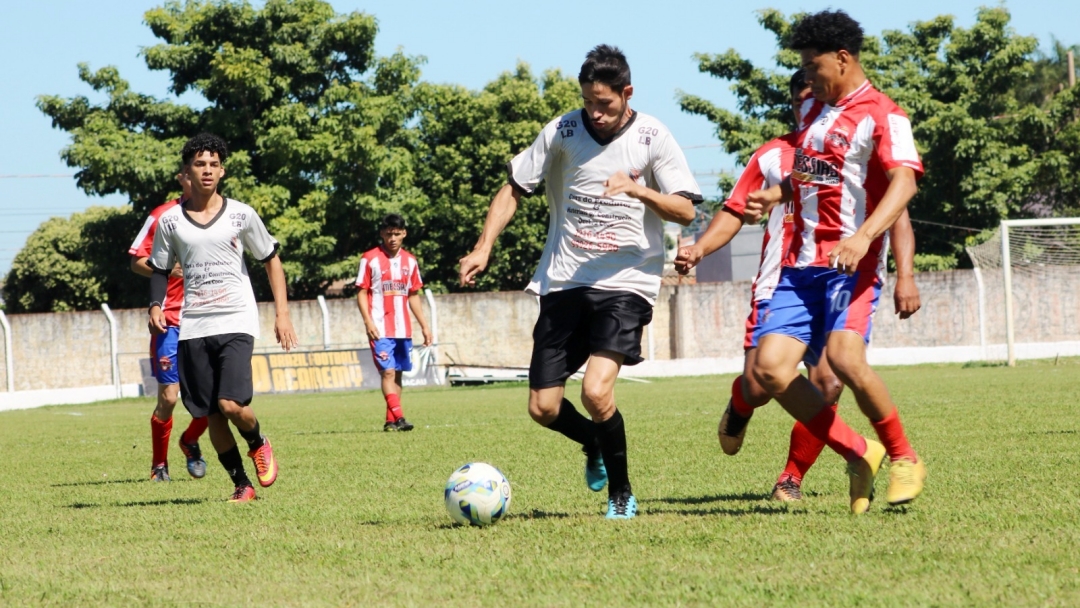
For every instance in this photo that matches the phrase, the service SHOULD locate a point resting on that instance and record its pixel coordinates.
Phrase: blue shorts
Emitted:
(392, 353)
(809, 303)
(758, 310)
(163, 356)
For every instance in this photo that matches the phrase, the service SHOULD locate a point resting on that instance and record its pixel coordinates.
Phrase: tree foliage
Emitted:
(325, 138)
(992, 148)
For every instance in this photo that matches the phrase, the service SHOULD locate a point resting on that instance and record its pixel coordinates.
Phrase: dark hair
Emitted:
(392, 220)
(204, 142)
(797, 82)
(827, 32)
(605, 64)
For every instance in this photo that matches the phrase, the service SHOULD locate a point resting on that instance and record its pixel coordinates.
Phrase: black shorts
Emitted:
(579, 322)
(215, 367)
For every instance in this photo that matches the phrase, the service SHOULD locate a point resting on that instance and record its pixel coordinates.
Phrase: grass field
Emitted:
(356, 517)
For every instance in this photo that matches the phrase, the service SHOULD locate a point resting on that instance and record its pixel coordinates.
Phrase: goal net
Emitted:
(1032, 267)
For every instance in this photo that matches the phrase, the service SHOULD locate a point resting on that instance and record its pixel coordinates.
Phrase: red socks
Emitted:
(159, 439)
(393, 407)
(737, 402)
(803, 451)
(828, 426)
(891, 433)
(194, 430)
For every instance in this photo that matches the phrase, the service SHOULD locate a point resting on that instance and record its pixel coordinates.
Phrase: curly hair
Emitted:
(827, 32)
(605, 64)
(204, 142)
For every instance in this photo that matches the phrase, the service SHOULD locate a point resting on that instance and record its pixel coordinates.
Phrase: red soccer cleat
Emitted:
(265, 464)
(243, 494)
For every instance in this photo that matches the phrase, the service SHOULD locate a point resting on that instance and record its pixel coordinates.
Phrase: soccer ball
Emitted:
(477, 494)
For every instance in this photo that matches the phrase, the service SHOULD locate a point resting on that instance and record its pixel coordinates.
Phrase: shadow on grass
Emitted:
(157, 503)
(343, 432)
(1062, 432)
(537, 514)
(754, 510)
(700, 500)
(98, 483)
(82, 505)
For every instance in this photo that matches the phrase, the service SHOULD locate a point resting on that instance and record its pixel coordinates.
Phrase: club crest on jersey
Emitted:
(165, 364)
(839, 138)
(814, 170)
(635, 174)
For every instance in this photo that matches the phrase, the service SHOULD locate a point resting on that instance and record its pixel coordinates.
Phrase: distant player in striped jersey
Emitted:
(855, 169)
(768, 167)
(388, 279)
(163, 354)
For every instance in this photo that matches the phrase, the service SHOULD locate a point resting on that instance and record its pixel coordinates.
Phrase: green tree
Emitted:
(317, 125)
(990, 151)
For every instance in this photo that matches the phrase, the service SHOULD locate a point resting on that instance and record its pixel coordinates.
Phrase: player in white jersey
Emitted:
(208, 234)
(613, 177)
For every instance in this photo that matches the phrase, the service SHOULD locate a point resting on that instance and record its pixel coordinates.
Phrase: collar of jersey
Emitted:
(596, 137)
(221, 212)
(864, 87)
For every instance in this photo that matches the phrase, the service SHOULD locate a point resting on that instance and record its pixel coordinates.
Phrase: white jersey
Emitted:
(593, 241)
(217, 290)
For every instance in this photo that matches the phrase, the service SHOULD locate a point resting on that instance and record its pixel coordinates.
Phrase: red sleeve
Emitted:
(143, 248)
(751, 179)
(894, 144)
(363, 277)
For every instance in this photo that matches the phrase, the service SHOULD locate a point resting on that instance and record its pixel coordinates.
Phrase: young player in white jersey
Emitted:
(768, 167)
(389, 277)
(163, 354)
(854, 172)
(613, 176)
(208, 235)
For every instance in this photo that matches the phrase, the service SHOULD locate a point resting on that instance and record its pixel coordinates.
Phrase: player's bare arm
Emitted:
(364, 305)
(501, 211)
(723, 227)
(770, 197)
(848, 252)
(283, 327)
(417, 309)
(670, 207)
(141, 267)
(906, 301)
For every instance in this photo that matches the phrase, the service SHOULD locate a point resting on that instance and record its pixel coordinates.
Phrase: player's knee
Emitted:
(542, 411)
(830, 387)
(754, 394)
(598, 394)
(229, 408)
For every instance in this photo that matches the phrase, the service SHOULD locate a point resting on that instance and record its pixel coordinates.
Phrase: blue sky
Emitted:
(468, 43)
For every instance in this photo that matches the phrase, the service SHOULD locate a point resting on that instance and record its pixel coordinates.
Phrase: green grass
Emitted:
(356, 517)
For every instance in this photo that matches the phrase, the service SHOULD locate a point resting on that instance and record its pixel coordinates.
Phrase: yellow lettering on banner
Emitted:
(290, 360)
(356, 376)
(324, 377)
(303, 379)
(280, 383)
(340, 377)
(317, 358)
(260, 375)
(290, 379)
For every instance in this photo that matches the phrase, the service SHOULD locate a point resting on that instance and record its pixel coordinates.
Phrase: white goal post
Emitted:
(1028, 246)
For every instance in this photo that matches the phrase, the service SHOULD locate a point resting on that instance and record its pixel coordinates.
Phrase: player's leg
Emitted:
(234, 394)
(795, 324)
(855, 299)
(747, 394)
(168, 377)
(163, 362)
(560, 348)
(803, 447)
(402, 363)
(382, 353)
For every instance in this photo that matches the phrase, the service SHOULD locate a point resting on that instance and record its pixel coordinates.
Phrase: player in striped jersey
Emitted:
(163, 354)
(768, 166)
(855, 169)
(388, 278)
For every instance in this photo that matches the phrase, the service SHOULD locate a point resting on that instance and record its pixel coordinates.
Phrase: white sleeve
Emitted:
(257, 239)
(162, 255)
(671, 171)
(527, 169)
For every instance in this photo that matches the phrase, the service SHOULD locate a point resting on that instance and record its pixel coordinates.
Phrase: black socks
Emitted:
(234, 466)
(576, 427)
(253, 437)
(612, 436)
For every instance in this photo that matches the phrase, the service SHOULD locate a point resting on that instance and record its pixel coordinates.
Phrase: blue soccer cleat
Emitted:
(595, 472)
(622, 506)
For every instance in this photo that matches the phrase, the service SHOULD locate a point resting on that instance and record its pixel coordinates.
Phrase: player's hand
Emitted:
(284, 332)
(427, 336)
(687, 258)
(766, 198)
(906, 299)
(372, 333)
(620, 183)
(472, 265)
(753, 212)
(156, 324)
(848, 252)
(177, 272)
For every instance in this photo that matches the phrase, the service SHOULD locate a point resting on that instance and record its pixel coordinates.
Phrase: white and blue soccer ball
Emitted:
(477, 494)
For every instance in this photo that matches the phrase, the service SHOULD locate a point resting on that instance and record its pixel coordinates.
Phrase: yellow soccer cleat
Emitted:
(861, 473)
(906, 479)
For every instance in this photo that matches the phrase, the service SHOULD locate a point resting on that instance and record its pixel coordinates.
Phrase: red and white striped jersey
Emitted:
(769, 165)
(143, 246)
(389, 281)
(839, 173)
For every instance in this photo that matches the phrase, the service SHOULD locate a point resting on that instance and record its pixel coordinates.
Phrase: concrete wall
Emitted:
(67, 350)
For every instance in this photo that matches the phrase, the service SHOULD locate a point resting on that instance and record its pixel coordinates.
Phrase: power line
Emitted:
(37, 175)
(968, 228)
